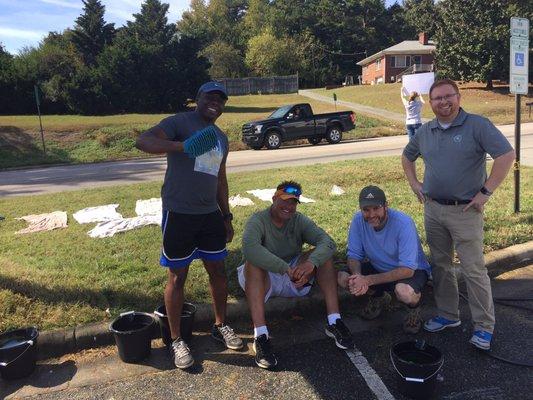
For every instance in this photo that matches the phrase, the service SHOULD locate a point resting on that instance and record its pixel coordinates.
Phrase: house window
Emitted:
(417, 60)
(378, 64)
(400, 61)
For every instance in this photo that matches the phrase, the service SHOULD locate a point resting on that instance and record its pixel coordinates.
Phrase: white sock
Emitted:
(260, 330)
(332, 318)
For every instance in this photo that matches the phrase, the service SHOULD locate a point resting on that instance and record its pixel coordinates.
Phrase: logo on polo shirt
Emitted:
(458, 138)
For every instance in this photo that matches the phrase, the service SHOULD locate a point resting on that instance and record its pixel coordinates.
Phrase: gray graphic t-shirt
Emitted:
(190, 185)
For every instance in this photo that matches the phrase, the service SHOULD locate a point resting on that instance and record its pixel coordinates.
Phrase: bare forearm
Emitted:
(410, 171)
(155, 142)
(223, 193)
(499, 171)
(392, 276)
(354, 266)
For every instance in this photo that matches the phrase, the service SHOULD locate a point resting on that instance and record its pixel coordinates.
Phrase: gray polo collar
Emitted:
(458, 121)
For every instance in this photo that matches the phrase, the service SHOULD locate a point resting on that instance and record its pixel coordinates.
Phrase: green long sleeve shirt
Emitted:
(271, 248)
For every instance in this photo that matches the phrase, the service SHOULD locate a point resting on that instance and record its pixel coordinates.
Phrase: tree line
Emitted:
(153, 65)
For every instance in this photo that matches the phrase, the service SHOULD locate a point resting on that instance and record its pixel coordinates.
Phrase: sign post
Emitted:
(38, 102)
(518, 84)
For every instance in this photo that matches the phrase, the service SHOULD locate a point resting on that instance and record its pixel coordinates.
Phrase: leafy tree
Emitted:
(473, 40)
(151, 26)
(257, 17)
(422, 15)
(7, 81)
(194, 23)
(268, 55)
(226, 61)
(91, 33)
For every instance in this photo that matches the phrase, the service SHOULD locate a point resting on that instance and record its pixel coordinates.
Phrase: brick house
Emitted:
(409, 56)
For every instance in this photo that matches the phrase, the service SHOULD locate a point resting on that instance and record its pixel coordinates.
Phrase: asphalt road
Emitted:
(72, 177)
(310, 366)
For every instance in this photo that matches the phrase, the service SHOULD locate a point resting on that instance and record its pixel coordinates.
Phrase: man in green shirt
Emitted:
(274, 265)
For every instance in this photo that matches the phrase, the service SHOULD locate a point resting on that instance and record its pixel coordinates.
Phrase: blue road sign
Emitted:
(519, 59)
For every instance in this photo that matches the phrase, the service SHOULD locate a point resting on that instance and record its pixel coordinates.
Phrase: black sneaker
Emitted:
(264, 357)
(341, 334)
(223, 333)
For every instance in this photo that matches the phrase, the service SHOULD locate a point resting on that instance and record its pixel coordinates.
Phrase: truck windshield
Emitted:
(280, 112)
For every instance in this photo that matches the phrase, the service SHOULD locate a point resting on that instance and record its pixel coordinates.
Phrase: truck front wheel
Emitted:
(272, 140)
(334, 134)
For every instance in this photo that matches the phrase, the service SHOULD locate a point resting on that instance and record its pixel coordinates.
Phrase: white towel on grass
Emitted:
(153, 206)
(237, 200)
(109, 228)
(337, 191)
(43, 222)
(104, 213)
(266, 195)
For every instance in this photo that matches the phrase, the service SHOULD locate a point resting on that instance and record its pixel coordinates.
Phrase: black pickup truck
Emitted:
(297, 121)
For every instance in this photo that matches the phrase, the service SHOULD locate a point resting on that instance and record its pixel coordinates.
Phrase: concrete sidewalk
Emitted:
(62, 341)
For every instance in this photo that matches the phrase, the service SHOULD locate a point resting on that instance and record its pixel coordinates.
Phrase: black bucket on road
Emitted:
(133, 335)
(18, 352)
(417, 365)
(186, 324)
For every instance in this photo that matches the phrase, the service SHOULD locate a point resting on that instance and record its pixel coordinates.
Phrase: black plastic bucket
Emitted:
(186, 324)
(133, 335)
(18, 352)
(417, 365)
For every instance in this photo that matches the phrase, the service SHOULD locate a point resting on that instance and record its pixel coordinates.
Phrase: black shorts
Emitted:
(189, 236)
(417, 281)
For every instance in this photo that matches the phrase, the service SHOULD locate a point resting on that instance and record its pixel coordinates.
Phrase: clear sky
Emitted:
(26, 22)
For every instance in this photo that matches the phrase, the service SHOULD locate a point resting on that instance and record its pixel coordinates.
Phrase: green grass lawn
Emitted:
(64, 278)
(497, 104)
(80, 139)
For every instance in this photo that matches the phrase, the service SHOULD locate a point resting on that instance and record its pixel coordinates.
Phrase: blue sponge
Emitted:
(201, 142)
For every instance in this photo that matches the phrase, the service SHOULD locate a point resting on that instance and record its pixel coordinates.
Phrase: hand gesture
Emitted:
(478, 202)
(417, 190)
(358, 284)
(302, 273)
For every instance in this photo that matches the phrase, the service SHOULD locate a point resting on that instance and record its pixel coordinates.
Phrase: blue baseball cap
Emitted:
(213, 87)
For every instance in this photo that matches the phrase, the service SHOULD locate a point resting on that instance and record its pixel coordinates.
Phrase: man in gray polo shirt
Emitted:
(454, 191)
(196, 218)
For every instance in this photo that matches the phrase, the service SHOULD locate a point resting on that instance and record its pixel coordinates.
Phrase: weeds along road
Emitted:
(72, 177)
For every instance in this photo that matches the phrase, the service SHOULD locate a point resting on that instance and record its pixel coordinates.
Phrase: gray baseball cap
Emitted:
(213, 87)
(372, 196)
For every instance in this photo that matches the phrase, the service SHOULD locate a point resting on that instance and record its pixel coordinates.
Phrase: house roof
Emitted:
(406, 47)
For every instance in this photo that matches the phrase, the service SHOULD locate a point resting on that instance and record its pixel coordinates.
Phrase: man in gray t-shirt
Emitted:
(196, 218)
(454, 191)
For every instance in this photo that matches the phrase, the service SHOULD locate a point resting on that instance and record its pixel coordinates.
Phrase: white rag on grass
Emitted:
(109, 228)
(266, 195)
(43, 222)
(336, 191)
(237, 200)
(97, 214)
(153, 206)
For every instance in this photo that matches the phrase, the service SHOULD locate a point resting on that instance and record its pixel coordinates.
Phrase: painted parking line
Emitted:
(370, 376)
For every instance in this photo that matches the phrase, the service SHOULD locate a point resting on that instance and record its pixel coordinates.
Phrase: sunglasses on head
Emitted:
(292, 190)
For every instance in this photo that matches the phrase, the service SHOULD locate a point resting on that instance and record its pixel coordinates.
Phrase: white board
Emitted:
(419, 83)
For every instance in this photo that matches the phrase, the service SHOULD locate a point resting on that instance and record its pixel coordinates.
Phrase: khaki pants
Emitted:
(446, 227)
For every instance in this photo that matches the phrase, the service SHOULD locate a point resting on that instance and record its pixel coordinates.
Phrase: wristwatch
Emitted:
(485, 191)
(227, 217)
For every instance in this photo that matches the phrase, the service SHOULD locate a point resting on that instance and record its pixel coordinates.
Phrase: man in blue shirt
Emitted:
(385, 254)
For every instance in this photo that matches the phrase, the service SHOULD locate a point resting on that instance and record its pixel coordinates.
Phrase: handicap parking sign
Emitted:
(519, 59)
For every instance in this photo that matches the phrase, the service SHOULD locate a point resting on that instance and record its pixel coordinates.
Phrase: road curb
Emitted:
(58, 342)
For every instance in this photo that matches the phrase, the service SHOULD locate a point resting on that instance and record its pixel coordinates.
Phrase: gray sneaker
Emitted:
(223, 333)
(181, 353)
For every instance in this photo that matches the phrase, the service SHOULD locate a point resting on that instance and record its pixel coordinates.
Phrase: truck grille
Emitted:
(247, 129)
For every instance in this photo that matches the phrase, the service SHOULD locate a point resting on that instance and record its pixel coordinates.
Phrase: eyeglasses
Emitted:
(292, 190)
(442, 98)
